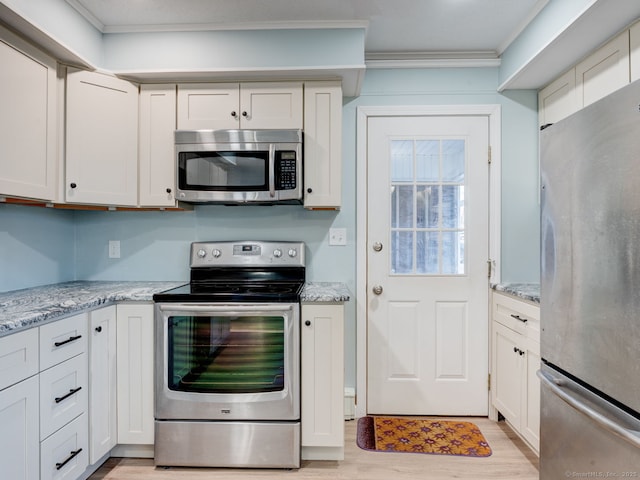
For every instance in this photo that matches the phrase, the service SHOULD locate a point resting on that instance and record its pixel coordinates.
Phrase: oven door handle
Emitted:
(225, 308)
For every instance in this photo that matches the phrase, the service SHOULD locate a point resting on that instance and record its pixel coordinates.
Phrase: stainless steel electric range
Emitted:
(227, 368)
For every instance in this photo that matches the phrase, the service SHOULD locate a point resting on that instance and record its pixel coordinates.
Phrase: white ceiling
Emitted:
(393, 26)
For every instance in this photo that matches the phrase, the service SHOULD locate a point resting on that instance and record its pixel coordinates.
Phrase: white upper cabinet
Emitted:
(28, 164)
(558, 100)
(216, 106)
(604, 71)
(101, 139)
(634, 51)
(322, 145)
(156, 145)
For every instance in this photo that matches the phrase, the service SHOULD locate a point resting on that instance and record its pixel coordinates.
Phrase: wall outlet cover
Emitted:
(337, 236)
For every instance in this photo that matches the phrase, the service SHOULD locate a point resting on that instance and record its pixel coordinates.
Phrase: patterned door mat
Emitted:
(421, 435)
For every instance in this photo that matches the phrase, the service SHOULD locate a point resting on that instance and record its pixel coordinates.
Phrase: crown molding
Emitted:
(471, 59)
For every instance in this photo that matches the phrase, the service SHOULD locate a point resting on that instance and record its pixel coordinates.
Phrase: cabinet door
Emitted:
(135, 373)
(101, 139)
(558, 100)
(157, 183)
(19, 440)
(530, 418)
(102, 382)
(271, 105)
(323, 145)
(208, 106)
(604, 71)
(28, 162)
(19, 357)
(634, 44)
(507, 373)
(64, 455)
(322, 367)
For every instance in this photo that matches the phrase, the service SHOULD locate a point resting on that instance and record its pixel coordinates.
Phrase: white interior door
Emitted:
(427, 252)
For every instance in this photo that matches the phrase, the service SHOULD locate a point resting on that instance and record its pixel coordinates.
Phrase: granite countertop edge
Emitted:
(526, 291)
(32, 307)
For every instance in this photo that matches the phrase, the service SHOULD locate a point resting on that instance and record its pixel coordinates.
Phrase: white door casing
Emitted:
(437, 324)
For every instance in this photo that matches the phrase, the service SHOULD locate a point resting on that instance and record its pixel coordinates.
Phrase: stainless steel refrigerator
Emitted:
(590, 291)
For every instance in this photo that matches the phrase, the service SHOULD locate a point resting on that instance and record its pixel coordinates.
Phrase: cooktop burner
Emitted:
(242, 272)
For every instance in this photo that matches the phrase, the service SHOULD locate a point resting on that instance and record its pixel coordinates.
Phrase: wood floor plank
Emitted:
(511, 459)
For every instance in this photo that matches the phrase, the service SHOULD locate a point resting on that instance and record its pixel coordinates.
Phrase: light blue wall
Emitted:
(62, 22)
(234, 50)
(37, 246)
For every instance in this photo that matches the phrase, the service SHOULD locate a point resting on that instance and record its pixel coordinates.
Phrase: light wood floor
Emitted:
(511, 459)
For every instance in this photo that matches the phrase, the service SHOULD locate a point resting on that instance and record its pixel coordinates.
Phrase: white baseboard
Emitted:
(349, 403)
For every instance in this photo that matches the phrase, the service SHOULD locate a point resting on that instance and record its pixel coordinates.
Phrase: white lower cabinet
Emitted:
(20, 438)
(135, 374)
(322, 373)
(102, 382)
(515, 360)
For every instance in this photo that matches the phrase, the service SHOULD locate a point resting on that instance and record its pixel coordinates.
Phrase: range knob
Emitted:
(293, 252)
(216, 253)
(277, 253)
(201, 253)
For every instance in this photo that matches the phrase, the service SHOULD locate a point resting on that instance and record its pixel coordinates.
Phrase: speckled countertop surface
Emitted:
(30, 307)
(526, 291)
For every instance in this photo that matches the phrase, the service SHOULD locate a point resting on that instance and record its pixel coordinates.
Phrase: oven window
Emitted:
(227, 171)
(226, 354)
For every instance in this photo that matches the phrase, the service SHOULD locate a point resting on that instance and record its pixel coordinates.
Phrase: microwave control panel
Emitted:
(285, 170)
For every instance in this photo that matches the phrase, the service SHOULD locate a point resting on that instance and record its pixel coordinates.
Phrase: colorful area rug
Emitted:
(427, 435)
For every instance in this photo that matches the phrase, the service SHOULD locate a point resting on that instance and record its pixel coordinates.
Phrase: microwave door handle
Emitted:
(272, 174)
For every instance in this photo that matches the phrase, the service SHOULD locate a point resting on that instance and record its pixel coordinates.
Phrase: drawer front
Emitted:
(65, 454)
(518, 315)
(63, 394)
(62, 340)
(18, 357)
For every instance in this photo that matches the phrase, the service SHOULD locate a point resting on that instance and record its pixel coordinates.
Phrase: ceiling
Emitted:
(476, 27)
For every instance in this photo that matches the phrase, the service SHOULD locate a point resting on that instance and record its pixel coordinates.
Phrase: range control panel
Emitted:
(247, 253)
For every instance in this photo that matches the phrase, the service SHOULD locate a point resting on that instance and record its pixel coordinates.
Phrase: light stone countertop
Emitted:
(526, 291)
(31, 307)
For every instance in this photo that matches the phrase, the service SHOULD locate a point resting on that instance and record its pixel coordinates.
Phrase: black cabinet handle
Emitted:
(98, 329)
(68, 459)
(307, 323)
(309, 190)
(168, 190)
(73, 185)
(244, 114)
(234, 114)
(518, 317)
(71, 392)
(70, 339)
(515, 350)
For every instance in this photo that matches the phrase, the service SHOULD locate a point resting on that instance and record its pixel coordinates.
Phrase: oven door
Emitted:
(227, 361)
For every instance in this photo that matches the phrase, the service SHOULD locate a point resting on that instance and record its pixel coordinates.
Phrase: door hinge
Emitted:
(489, 268)
(489, 381)
(489, 155)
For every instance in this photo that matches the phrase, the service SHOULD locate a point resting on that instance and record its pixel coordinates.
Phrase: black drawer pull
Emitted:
(70, 339)
(518, 317)
(71, 392)
(68, 459)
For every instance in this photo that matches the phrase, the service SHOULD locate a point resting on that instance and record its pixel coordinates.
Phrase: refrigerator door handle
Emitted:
(572, 398)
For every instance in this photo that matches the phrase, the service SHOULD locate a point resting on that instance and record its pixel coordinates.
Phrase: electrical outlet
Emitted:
(114, 248)
(337, 236)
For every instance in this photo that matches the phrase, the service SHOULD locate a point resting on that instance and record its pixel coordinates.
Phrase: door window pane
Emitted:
(427, 206)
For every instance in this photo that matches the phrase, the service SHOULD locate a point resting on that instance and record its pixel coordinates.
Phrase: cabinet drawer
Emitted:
(62, 340)
(18, 357)
(63, 394)
(518, 315)
(64, 455)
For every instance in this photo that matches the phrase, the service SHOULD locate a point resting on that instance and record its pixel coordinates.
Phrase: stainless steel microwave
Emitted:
(239, 166)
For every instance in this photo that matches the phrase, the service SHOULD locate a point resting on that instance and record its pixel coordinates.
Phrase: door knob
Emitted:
(377, 246)
(377, 289)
